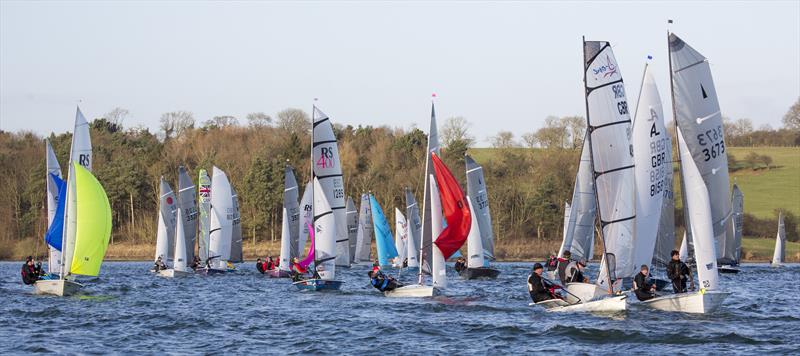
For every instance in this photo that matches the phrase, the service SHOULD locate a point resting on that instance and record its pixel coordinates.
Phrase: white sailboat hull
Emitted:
(57, 287)
(695, 302)
(584, 291)
(413, 291)
(605, 305)
(172, 273)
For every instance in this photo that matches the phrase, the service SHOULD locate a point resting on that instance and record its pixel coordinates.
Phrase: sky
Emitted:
(504, 66)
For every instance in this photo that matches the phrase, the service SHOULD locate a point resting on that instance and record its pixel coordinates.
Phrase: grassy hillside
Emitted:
(766, 190)
(761, 250)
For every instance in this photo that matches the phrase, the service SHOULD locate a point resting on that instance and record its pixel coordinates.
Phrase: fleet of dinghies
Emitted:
(622, 192)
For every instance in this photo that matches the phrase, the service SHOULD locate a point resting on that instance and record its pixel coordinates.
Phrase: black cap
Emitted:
(537, 265)
(675, 253)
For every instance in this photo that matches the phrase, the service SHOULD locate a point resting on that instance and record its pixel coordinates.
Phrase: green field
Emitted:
(776, 188)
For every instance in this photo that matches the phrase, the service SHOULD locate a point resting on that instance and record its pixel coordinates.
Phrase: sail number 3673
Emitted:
(714, 142)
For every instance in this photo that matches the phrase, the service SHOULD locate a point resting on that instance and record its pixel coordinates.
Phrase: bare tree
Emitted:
(175, 123)
(455, 132)
(259, 119)
(503, 139)
(117, 116)
(791, 120)
(530, 139)
(576, 126)
(221, 121)
(294, 121)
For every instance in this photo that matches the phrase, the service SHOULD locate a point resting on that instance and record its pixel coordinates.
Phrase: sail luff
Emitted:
(426, 237)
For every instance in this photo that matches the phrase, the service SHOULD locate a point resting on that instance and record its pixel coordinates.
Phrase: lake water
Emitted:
(127, 309)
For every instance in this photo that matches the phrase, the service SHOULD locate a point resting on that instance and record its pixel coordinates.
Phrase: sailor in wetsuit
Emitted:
(641, 286)
(679, 272)
(575, 272)
(29, 275)
(461, 264)
(382, 282)
(538, 287)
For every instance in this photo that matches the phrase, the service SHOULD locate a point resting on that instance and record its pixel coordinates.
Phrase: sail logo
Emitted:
(205, 191)
(169, 200)
(83, 160)
(326, 157)
(607, 70)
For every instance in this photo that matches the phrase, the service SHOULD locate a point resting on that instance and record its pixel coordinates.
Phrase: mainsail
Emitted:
(324, 234)
(306, 219)
(414, 228)
(609, 130)
(476, 190)
(205, 207)
(286, 245)
(165, 235)
(653, 160)
(55, 188)
(328, 169)
(352, 227)
(733, 246)
(179, 262)
(236, 236)
(221, 222)
(698, 116)
(780, 243)
(474, 244)
(188, 212)
(365, 229)
(384, 243)
(427, 233)
(291, 218)
(81, 150)
(400, 237)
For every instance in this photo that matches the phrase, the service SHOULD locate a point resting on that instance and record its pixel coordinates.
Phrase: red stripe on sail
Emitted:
(456, 211)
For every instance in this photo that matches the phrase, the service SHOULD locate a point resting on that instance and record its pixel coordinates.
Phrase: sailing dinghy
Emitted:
(384, 243)
(400, 238)
(323, 244)
(81, 227)
(56, 188)
(480, 242)
(222, 215)
(165, 234)
(780, 243)
(180, 267)
(290, 232)
(364, 232)
(733, 245)
(704, 170)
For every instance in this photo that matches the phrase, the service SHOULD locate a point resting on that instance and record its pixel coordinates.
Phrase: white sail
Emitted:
(427, 235)
(167, 219)
(53, 168)
(566, 236)
(204, 193)
(179, 262)
(352, 227)
(70, 223)
(474, 242)
(653, 160)
(223, 212)
(476, 190)
(609, 128)
(81, 150)
(365, 231)
(325, 247)
(698, 115)
(698, 206)
(414, 228)
(683, 253)
(328, 169)
(780, 243)
(286, 245)
(579, 238)
(187, 199)
(438, 271)
(306, 219)
(400, 236)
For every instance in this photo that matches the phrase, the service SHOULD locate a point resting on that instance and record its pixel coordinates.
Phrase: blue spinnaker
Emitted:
(383, 233)
(56, 231)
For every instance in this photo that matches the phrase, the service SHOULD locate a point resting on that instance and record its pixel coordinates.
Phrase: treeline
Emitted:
(527, 187)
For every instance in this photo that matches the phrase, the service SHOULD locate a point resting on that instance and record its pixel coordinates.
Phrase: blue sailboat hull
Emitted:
(318, 285)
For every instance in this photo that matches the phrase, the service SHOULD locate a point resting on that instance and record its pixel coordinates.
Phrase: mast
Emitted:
(311, 152)
(590, 128)
(425, 197)
(686, 222)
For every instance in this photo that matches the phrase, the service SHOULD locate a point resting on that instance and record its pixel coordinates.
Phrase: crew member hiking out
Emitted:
(641, 286)
(678, 272)
(382, 282)
(538, 287)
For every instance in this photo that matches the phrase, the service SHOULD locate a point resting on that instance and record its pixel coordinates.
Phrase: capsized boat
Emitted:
(704, 169)
(480, 242)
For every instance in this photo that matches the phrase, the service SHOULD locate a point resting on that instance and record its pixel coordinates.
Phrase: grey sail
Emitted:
(236, 237)
(352, 226)
(476, 190)
(583, 209)
(698, 115)
(665, 240)
(189, 213)
(364, 233)
(426, 243)
(414, 227)
(291, 195)
(609, 128)
(328, 169)
(738, 224)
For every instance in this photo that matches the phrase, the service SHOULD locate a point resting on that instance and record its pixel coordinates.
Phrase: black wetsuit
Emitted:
(538, 288)
(675, 271)
(643, 288)
(29, 275)
(460, 266)
(260, 267)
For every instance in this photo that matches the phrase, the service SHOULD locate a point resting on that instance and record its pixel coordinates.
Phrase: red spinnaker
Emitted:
(456, 211)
